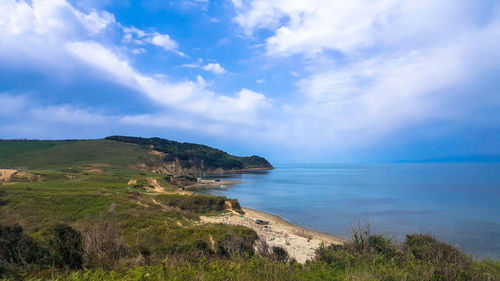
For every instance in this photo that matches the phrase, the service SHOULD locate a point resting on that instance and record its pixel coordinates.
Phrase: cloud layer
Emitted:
(378, 67)
(358, 73)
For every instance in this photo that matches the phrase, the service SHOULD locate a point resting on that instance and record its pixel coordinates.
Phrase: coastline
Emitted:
(300, 242)
(212, 183)
(326, 237)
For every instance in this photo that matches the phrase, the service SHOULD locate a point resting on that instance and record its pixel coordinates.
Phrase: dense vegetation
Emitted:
(199, 156)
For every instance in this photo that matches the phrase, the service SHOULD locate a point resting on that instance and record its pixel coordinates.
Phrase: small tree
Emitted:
(67, 247)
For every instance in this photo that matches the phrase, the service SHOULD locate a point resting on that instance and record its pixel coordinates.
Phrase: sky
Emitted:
(294, 81)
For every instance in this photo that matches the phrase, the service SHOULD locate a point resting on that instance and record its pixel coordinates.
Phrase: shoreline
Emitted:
(212, 183)
(300, 242)
(320, 235)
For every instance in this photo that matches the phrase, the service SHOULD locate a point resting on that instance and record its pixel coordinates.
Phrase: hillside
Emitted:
(149, 154)
(190, 158)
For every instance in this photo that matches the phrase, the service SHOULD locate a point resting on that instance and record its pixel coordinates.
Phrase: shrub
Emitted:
(18, 250)
(67, 247)
(235, 246)
(274, 253)
(334, 254)
(103, 245)
(449, 262)
(380, 245)
(198, 250)
(194, 203)
(280, 254)
(360, 234)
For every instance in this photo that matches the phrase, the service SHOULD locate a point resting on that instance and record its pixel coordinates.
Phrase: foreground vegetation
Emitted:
(87, 214)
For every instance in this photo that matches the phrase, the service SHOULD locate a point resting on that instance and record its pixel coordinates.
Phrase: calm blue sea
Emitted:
(456, 202)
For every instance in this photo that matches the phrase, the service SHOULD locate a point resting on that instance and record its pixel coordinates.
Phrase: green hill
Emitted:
(152, 154)
(201, 157)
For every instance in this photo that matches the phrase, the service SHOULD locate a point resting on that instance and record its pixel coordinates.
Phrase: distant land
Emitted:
(458, 158)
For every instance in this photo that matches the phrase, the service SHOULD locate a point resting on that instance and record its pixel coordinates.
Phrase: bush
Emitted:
(235, 246)
(426, 247)
(18, 250)
(103, 245)
(194, 203)
(380, 245)
(334, 254)
(449, 262)
(67, 247)
(280, 254)
(274, 253)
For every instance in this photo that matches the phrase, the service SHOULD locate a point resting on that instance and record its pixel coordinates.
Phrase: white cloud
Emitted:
(312, 27)
(190, 65)
(68, 114)
(140, 37)
(53, 19)
(27, 118)
(164, 41)
(138, 51)
(168, 121)
(95, 21)
(216, 68)
(69, 44)
(187, 96)
(373, 68)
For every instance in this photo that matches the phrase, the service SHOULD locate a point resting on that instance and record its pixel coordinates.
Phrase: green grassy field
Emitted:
(63, 154)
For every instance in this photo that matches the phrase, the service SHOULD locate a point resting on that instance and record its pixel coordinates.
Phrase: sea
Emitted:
(455, 202)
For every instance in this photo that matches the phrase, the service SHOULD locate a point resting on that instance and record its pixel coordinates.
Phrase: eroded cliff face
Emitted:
(190, 159)
(176, 168)
(158, 164)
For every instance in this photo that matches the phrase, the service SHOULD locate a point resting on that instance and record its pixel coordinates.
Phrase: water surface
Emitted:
(456, 202)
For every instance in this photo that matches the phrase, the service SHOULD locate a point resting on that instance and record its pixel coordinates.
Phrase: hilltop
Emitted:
(146, 154)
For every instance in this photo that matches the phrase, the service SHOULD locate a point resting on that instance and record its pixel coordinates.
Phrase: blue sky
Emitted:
(295, 81)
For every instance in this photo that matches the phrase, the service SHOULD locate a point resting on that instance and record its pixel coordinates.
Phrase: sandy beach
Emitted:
(299, 242)
(212, 183)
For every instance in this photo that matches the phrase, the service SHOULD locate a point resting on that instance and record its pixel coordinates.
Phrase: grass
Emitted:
(63, 154)
(259, 268)
(81, 198)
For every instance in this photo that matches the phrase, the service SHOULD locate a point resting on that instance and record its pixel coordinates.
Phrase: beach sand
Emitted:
(299, 242)
(212, 183)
